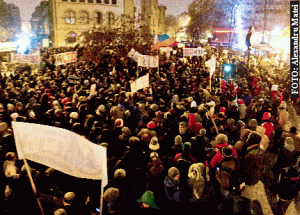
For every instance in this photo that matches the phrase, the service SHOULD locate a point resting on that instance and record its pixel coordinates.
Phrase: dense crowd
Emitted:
(180, 146)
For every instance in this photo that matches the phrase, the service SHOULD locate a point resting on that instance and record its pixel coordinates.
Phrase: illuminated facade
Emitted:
(69, 18)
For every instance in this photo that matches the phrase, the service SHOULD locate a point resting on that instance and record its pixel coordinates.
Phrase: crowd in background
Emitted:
(182, 145)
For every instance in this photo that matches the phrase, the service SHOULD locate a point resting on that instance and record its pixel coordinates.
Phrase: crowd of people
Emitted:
(182, 145)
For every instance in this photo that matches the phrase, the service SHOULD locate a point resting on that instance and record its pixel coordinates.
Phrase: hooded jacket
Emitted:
(194, 126)
(268, 125)
(197, 181)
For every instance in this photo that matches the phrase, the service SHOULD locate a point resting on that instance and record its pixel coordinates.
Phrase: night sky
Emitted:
(174, 7)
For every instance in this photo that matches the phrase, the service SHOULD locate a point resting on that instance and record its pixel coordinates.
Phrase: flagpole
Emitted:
(101, 198)
(33, 185)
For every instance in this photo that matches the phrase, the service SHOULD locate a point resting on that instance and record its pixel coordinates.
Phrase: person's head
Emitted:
(69, 199)
(147, 201)
(174, 173)
(60, 211)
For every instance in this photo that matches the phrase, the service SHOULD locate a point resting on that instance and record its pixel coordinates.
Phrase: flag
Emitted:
(163, 41)
(212, 65)
(62, 150)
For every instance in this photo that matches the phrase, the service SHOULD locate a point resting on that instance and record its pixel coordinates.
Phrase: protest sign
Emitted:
(26, 58)
(134, 55)
(193, 52)
(8, 46)
(65, 58)
(165, 50)
(140, 83)
(61, 149)
(148, 61)
(212, 65)
(73, 79)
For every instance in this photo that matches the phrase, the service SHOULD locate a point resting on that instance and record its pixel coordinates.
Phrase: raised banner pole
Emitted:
(33, 185)
(101, 198)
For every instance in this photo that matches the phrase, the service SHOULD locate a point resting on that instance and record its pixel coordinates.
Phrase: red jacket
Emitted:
(194, 126)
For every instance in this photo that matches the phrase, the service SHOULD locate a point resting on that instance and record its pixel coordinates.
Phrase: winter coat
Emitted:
(252, 163)
(218, 158)
(196, 182)
(194, 126)
(242, 111)
(172, 189)
(288, 188)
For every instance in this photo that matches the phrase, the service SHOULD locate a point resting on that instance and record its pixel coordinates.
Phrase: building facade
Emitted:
(69, 18)
(63, 21)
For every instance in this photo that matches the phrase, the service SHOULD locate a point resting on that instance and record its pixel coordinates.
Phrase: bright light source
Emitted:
(276, 31)
(239, 29)
(227, 68)
(23, 44)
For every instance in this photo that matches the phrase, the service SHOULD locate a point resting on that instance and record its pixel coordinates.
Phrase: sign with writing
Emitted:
(140, 83)
(148, 61)
(165, 50)
(65, 58)
(46, 42)
(26, 58)
(192, 52)
(73, 79)
(8, 46)
(134, 55)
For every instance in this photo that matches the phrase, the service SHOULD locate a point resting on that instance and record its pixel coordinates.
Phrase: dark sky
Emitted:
(174, 7)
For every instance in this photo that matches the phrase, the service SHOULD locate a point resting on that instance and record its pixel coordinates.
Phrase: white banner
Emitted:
(8, 46)
(29, 58)
(212, 65)
(45, 42)
(148, 61)
(134, 55)
(61, 149)
(193, 52)
(65, 58)
(140, 83)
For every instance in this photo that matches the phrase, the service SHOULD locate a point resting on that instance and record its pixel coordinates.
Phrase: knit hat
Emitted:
(154, 145)
(151, 125)
(187, 146)
(60, 211)
(111, 194)
(289, 144)
(222, 110)
(178, 140)
(148, 198)
(221, 138)
(173, 171)
(240, 101)
(69, 197)
(120, 173)
(252, 123)
(193, 104)
(145, 137)
(126, 131)
(74, 115)
(119, 123)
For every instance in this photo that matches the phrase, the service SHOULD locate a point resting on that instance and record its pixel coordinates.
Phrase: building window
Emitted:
(98, 18)
(114, 1)
(84, 18)
(82, 1)
(91, 1)
(71, 37)
(64, 0)
(106, 1)
(98, 1)
(70, 17)
(73, 0)
(110, 18)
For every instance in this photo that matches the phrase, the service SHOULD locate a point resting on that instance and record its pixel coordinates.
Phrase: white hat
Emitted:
(193, 104)
(14, 116)
(74, 115)
(154, 145)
